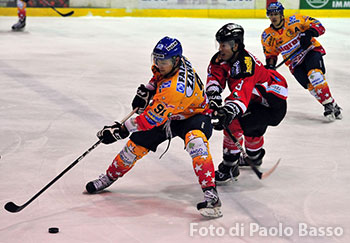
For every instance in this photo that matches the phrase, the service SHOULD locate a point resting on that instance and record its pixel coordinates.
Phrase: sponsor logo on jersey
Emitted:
(293, 20)
(249, 64)
(289, 33)
(190, 82)
(235, 69)
(186, 79)
(164, 85)
(264, 36)
(180, 87)
(291, 45)
(154, 118)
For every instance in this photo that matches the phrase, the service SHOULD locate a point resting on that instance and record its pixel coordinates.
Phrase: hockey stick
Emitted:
(261, 175)
(62, 14)
(291, 55)
(13, 208)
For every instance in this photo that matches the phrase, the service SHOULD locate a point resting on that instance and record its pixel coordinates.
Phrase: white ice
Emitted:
(63, 79)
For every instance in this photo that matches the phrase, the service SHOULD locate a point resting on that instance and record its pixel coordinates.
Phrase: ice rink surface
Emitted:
(63, 79)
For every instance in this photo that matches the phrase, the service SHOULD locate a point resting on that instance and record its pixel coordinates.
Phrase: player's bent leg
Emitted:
(198, 148)
(122, 163)
(319, 88)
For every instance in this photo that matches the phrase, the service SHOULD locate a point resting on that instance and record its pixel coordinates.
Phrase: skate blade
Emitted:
(220, 183)
(211, 212)
(330, 118)
(339, 117)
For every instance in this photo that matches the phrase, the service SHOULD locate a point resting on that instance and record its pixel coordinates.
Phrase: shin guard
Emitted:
(198, 147)
(318, 86)
(126, 159)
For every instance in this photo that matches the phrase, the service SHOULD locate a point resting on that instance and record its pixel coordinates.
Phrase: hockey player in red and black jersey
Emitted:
(21, 11)
(257, 100)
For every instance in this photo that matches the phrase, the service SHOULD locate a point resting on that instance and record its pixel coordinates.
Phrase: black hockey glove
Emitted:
(270, 66)
(142, 98)
(110, 134)
(214, 96)
(305, 39)
(271, 63)
(224, 116)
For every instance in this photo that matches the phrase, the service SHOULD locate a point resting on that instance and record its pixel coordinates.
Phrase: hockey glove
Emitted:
(305, 39)
(142, 98)
(223, 116)
(110, 134)
(270, 66)
(271, 63)
(214, 96)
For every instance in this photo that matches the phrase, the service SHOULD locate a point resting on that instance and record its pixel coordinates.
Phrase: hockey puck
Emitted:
(53, 230)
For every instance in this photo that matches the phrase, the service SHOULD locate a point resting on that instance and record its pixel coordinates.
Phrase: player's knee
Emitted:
(196, 144)
(316, 77)
(131, 153)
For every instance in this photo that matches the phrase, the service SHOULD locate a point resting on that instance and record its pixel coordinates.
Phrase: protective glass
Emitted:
(160, 62)
(225, 45)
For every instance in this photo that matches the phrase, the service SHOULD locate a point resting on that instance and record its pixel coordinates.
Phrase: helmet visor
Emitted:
(224, 45)
(160, 61)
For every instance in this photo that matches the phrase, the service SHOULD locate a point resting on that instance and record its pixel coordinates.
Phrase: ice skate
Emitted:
(211, 207)
(99, 184)
(226, 173)
(19, 25)
(255, 157)
(332, 111)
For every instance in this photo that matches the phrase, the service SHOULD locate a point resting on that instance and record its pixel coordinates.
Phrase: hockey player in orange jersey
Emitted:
(296, 33)
(172, 104)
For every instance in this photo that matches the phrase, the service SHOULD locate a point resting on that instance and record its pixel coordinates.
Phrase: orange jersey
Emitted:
(178, 97)
(287, 39)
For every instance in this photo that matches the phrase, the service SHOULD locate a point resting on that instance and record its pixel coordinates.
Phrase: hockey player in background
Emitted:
(296, 33)
(257, 100)
(21, 11)
(179, 107)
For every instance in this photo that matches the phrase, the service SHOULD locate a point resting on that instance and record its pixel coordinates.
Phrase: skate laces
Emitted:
(211, 196)
(103, 181)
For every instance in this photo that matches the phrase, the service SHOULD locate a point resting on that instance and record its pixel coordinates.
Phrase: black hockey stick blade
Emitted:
(13, 208)
(62, 14)
(67, 14)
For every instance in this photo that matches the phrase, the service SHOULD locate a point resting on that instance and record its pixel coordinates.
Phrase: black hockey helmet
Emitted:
(230, 32)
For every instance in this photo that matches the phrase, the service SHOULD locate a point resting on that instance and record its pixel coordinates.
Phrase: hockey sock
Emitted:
(198, 148)
(229, 146)
(318, 86)
(126, 159)
(253, 143)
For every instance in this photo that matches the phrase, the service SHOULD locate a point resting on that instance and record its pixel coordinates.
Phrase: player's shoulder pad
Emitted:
(244, 66)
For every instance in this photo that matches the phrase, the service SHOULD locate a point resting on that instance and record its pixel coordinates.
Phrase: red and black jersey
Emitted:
(246, 77)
